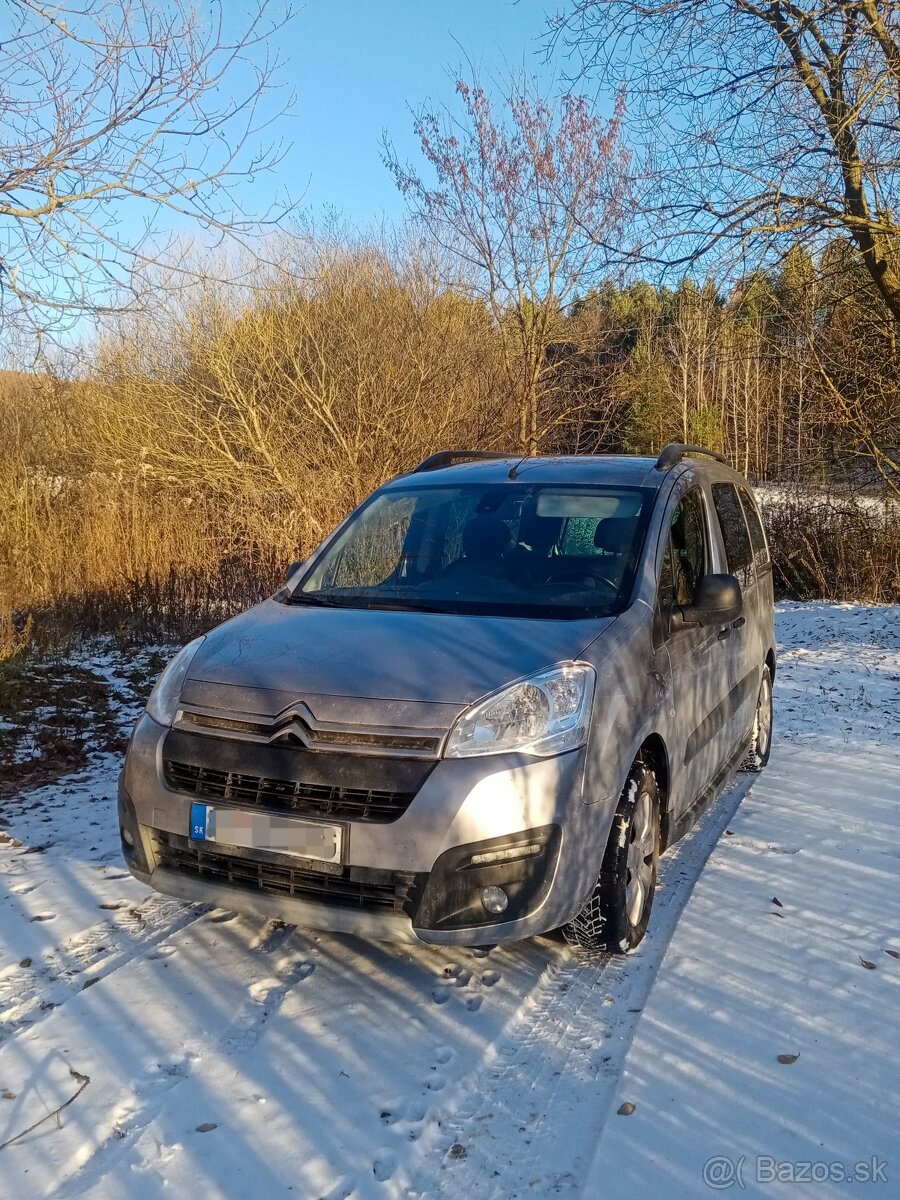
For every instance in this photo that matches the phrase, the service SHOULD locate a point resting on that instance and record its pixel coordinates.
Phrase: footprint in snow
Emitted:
(459, 975)
(384, 1166)
(290, 971)
(342, 1190)
(175, 1070)
(489, 978)
(162, 952)
(443, 1054)
(440, 994)
(44, 917)
(165, 1153)
(260, 990)
(473, 1003)
(436, 1083)
(272, 936)
(411, 1112)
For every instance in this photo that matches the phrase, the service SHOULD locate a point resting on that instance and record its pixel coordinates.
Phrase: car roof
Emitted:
(612, 469)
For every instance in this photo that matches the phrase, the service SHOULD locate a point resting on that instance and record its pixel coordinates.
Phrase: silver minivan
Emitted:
(480, 710)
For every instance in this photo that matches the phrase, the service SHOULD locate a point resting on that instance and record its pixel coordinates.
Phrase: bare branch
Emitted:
(522, 193)
(756, 121)
(118, 121)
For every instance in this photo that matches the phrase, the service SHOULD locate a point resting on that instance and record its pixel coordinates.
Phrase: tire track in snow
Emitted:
(84, 958)
(556, 1068)
(133, 1115)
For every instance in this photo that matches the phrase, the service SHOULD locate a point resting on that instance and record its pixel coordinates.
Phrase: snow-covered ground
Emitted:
(877, 501)
(228, 1057)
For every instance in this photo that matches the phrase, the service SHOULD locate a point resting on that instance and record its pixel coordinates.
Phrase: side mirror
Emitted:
(717, 601)
(292, 569)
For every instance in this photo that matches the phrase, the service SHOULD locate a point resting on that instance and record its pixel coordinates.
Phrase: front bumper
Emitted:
(380, 927)
(467, 803)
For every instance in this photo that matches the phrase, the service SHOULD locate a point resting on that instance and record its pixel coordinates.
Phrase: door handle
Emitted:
(739, 622)
(723, 634)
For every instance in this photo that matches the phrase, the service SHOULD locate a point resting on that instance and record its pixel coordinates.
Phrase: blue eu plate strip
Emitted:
(198, 822)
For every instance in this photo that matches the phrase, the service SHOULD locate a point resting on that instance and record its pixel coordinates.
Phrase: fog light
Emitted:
(127, 838)
(494, 899)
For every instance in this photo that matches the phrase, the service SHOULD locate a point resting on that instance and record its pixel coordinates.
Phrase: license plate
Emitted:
(263, 831)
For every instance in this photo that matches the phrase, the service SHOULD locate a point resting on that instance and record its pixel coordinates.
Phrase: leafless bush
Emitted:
(830, 546)
(212, 446)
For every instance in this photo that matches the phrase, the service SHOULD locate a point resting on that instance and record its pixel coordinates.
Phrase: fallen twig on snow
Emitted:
(83, 1081)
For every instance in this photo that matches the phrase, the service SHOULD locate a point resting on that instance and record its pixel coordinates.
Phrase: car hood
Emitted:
(411, 656)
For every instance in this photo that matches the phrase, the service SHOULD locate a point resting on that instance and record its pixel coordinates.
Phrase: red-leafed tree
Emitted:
(532, 198)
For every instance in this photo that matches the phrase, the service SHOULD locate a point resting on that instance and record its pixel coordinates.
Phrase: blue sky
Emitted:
(357, 65)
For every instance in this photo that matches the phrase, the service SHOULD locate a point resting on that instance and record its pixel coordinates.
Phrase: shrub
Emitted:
(834, 546)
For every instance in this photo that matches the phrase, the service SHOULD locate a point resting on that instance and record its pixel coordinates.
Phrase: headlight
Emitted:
(163, 702)
(544, 714)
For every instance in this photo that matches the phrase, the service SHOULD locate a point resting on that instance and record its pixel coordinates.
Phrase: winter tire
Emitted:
(761, 733)
(615, 916)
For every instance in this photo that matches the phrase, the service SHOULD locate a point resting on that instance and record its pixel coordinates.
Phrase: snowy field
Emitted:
(230, 1058)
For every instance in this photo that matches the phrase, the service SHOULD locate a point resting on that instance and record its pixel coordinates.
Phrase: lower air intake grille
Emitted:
(287, 796)
(349, 887)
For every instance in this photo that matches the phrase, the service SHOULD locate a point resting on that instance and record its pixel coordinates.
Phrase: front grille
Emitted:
(347, 887)
(298, 727)
(286, 795)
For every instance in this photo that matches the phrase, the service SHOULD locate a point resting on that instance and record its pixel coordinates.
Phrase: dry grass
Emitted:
(14, 637)
(219, 440)
(221, 435)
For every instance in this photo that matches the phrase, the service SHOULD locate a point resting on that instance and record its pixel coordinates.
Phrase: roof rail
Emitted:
(449, 458)
(672, 455)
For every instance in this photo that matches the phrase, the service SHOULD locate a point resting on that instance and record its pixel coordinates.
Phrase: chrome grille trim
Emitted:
(297, 726)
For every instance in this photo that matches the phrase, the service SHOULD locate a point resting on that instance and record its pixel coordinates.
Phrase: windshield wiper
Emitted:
(402, 606)
(362, 602)
(318, 601)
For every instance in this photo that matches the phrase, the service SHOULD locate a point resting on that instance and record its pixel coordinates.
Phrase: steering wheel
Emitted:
(593, 578)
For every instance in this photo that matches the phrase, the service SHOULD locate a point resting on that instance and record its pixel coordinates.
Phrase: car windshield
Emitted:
(509, 549)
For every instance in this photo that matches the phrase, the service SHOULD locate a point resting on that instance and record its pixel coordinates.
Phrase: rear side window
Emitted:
(757, 537)
(738, 550)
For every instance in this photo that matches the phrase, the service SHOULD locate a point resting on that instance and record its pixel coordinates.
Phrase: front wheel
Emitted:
(761, 734)
(616, 915)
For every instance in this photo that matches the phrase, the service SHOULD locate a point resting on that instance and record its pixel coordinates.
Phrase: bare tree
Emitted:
(113, 116)
(762, 120)
(530, 198)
